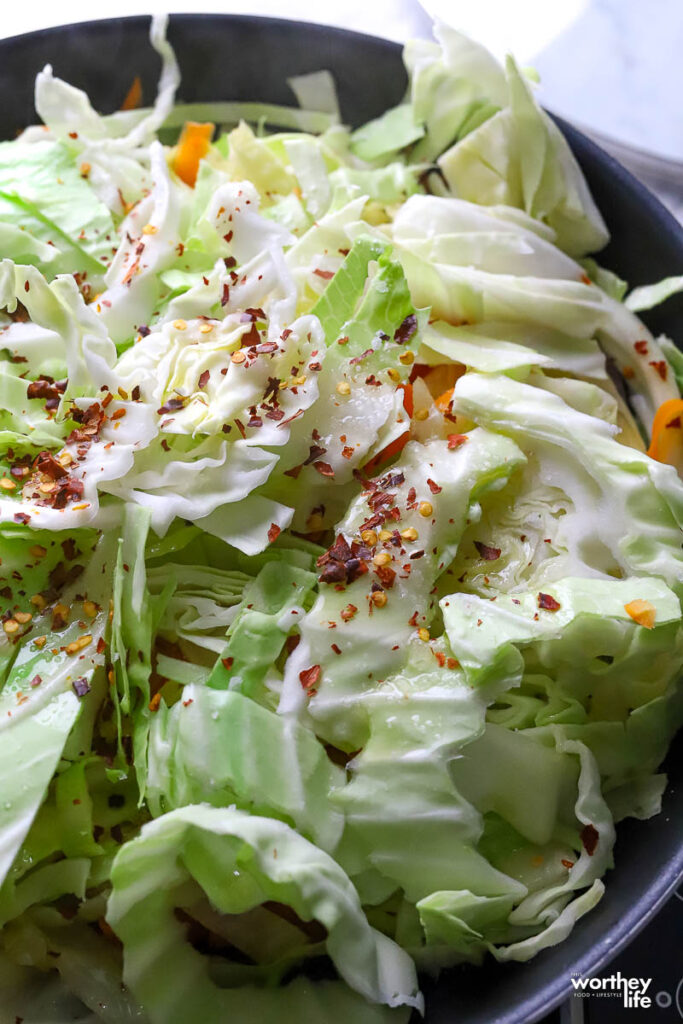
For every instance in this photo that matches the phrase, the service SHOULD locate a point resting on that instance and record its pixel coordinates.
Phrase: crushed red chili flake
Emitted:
(347, 451)
(336, 648)
(589, 838)
(225, 296)
(255, 421)
(230, 262)
(46, 463)
(69, 548)
(415, 555)
(324, 468)
(343, 340)
(455, 440)
(240, 427)
(440, 657)
(81, 686)
(315, 451)
(309, 677)
(21, 517)
(36, 681)
(488, 553)
(165, 445)
(292, 642)
(294, 471)
(228, 237)
(172, 405)
(434, 487)
(568, 864)
(641, 347)
(203, 379)
(326, 275)
(361, 357)
(72, 490)
(386, 575)
(405, 331)
(274, 532)
(348, 613)
(660, 366)
(412, 494)
(144, 330)
(548, 603)
(315, 366)
(227, 663)
(412, 621)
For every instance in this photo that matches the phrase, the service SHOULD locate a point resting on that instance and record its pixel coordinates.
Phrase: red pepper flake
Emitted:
(203, 379)
(405, 331)
(440, 657)
(230, 262)
(412, 621)
(641, 348)
(324, 468)
(336, 648)
(292, 642)
(452, 663)
(81, 686)
(21, 517)
(227, 663)
(36, 681)
(455, 440)
(585, 279)
(309, 677)
(415, 555)
(228, 237)
(225, 297)
(240, 427)
(433, 487)
(489, 554)
(172, 405)
(348, 613)
(568, 864)
(294, 471)
(315, 366)
(548, 603)
(186, 703)
(344, 340)
(273, 532)
(315, 451)
(386, 575)
(325, 274)
(27, 286)
(589, 838)
(412, 494)
(155, 702)
(165, 445)
(660, 366)
(347, 451)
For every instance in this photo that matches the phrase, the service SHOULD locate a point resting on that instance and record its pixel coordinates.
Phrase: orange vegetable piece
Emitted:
(443, 402)
(667, 434)
(133, 98)
(399, 444)
(642, 612)
(192, 147)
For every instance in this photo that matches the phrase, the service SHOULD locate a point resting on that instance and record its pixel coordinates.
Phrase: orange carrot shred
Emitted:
(667, 434)
(192, 147)
(133, 98)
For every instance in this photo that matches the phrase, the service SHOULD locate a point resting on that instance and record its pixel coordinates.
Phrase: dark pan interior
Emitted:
(229, 57)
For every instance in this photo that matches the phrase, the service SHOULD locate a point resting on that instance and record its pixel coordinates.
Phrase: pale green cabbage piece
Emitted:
(177, 856)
